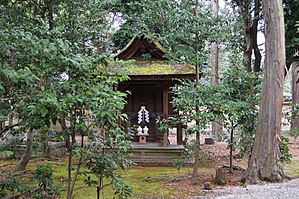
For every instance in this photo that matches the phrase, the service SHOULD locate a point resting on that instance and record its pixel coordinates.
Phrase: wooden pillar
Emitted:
(165, 102)
(165, 112)
(128, 123)
(10, 120)
(157, 118)
(179, 136)
(295, 92)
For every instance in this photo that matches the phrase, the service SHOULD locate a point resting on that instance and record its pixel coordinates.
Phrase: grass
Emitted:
(144, 180)
(136, 176)
(292, 168)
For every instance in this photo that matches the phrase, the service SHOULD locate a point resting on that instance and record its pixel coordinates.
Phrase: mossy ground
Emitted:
(154, 181)
(145, 181)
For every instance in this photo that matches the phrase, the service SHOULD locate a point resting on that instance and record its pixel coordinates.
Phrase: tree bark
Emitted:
(197, 141)
(220, 177)
(216, 126)
(264, 162)
(250, 25)
(249, 46)
(64, 132)
(231, 149)
(295, 93)
(256, 50)
(21, 165)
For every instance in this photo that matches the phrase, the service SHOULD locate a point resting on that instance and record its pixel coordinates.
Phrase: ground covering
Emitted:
(157, 181)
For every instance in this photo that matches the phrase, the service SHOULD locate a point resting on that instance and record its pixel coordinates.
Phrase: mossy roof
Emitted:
(160, 68)
(157, 64)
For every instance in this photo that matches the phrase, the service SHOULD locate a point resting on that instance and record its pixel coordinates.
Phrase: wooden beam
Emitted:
(165, 102)
(179, 136)
(165, 112)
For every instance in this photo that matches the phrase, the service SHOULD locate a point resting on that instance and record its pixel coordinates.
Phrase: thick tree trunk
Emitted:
(21, 165)
(264, 163)
(295, 92)
(216, 126)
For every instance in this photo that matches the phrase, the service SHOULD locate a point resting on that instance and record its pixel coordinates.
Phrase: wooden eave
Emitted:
(155, 68)
(131, 50)
(157, 79)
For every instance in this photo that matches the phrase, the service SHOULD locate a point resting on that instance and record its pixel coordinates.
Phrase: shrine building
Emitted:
(149, 100)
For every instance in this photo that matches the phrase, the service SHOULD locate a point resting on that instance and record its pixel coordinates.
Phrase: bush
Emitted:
(43, 175)
(7, 155)
(293, 132)
(285, 156)
(10, 184)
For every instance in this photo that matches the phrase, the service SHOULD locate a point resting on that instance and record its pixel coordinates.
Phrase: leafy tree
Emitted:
(51, 72)
(196, 103)
(238, 107)
(291, 18)
(43, 175)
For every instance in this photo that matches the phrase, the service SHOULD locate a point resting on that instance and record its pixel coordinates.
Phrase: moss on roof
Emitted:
(160, 68)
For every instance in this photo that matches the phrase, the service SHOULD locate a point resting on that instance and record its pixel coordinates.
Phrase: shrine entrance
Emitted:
(150, 97)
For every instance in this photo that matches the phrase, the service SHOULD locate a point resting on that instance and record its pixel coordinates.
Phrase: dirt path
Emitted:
(286, 190)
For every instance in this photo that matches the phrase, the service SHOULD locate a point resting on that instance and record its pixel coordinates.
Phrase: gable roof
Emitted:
(150, 59)
(141, 48)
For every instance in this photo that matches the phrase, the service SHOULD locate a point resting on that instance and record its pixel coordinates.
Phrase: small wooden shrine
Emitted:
(149, 86)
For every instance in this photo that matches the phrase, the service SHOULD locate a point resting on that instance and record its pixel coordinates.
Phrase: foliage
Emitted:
(9, 143)
(179, 163)
(285, 155)
(188, 97)
(43, 175)
(293, 132)
(248, 13)
(233, 101)
(239, 106)
(291, 116)
(51, 72)
(103, 164)
(11, 183)
(122, 190)
(291, 18)
(293, 113)
(6, 155)
(174, 25)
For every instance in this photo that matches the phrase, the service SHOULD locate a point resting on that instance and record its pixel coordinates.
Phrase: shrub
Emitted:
(285, 156)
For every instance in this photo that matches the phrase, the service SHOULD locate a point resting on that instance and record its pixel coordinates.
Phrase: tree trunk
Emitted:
(216, 126)
(250, 28)
(197, 141)
(264, 163)
(21, 165)
(256, 50)
(295, 93)
(70, 187)
(249, 46)
(64, 132)
(231, 149)
(220, 177)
